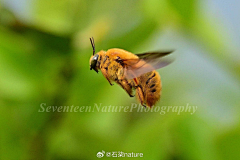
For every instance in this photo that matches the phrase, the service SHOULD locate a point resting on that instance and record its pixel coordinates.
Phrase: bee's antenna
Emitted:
(93, 45)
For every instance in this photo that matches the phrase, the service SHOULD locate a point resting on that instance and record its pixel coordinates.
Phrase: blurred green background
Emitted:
(44, 58)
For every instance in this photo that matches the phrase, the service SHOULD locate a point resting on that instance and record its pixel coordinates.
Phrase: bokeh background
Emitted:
(44, 58)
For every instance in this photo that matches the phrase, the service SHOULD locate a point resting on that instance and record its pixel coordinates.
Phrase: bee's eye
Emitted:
(94, 61)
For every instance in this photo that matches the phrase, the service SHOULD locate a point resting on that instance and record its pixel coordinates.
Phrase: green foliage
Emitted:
(45, 61)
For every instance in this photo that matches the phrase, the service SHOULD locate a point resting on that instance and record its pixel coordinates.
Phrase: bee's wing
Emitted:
(147, 62)
(153, 55)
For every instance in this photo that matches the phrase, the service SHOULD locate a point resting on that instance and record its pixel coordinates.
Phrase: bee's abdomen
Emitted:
(152, 87)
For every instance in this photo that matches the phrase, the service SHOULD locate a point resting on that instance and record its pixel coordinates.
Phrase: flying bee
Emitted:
(132, 71)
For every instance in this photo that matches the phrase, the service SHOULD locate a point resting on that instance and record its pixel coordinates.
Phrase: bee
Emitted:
(132, 71)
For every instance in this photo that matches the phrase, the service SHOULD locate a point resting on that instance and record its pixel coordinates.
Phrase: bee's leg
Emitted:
(105, 74)
(126, 86)
(139, 92)
(140, 96)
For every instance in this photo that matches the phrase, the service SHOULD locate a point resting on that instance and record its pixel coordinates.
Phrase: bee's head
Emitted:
(94, 58)
(93, 62)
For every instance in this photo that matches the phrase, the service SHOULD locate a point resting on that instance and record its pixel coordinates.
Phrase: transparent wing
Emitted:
(153, 55)
(147, 62)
